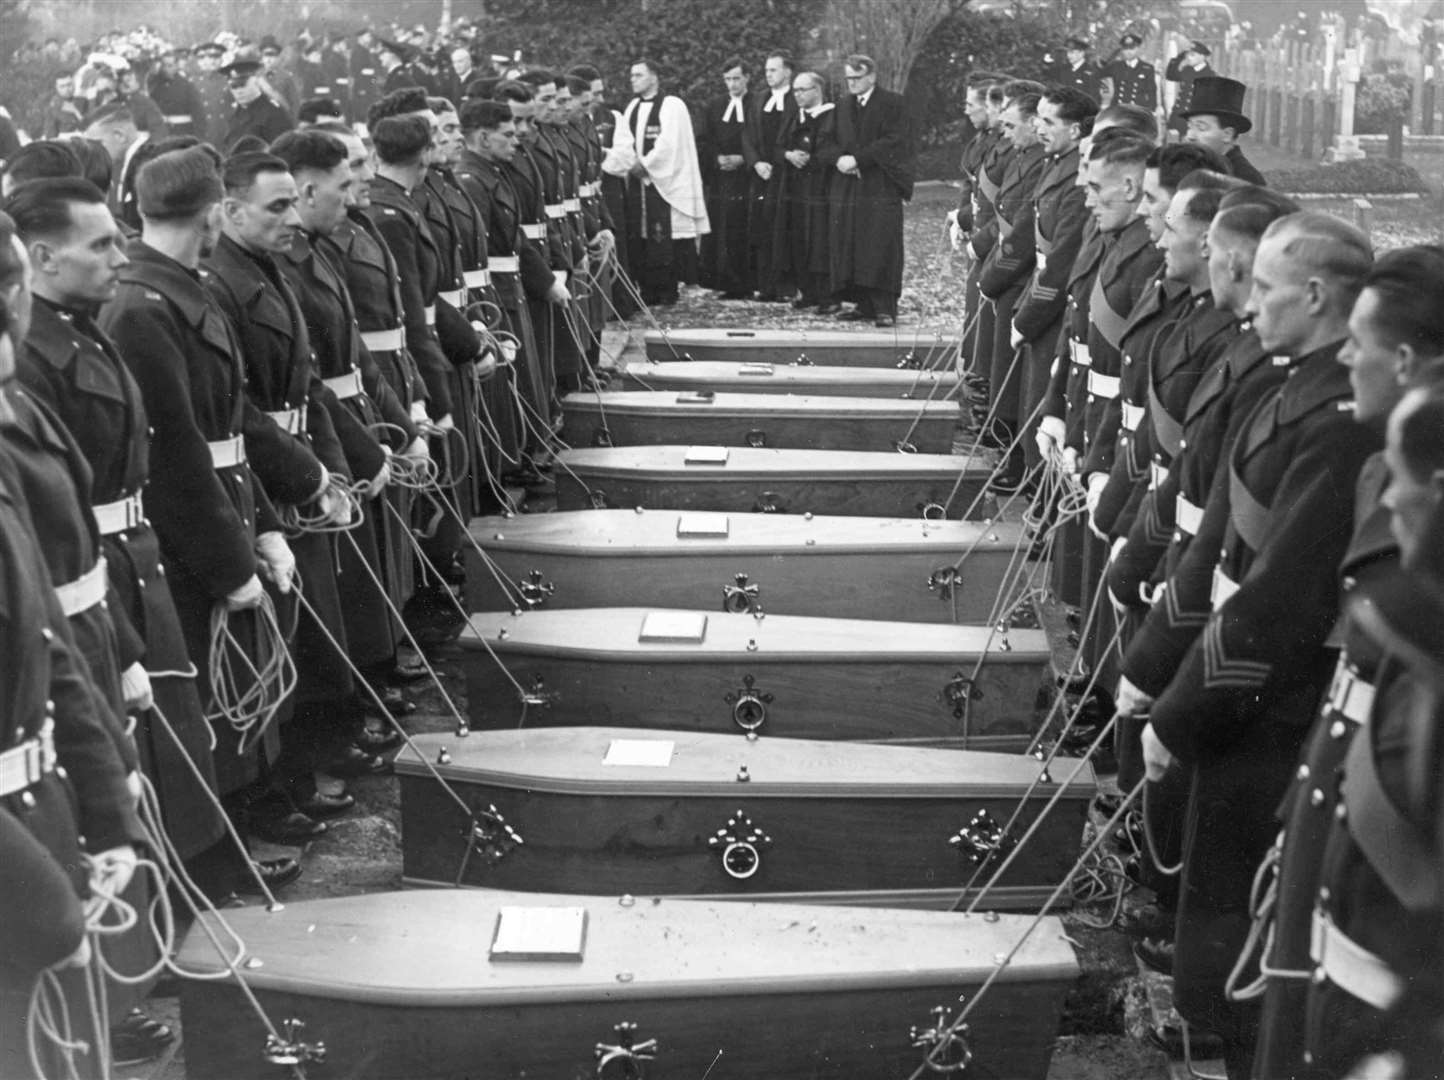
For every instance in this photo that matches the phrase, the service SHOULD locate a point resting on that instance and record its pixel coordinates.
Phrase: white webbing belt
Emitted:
(115, 517)
(1350, 966)
(84, 592)
(227, 452)
(344, 386)
(384, 340)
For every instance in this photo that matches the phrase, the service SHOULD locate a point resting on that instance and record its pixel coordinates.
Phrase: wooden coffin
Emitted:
(779, 675)
(813, 381)
(831, 348)
(464, 984)
(785, 564)
(696, 814)
(742, 478)
(649, 418)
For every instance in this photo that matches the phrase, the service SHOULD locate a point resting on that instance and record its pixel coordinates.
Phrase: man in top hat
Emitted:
(213, 90)
(1129, 80)
(1079, 71)
(1215, 119)
(253, 113)
(1183, 69)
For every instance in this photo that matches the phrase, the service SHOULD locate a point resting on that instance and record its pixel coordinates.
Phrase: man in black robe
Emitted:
(726, 261)
(802, 215)
(764, 160)
(873, 157)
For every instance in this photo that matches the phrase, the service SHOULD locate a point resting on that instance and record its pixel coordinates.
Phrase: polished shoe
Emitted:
(276, 873)
(885, 322)
(378, 742)
(284, 825)
(138, 1038)
(353, 762)
(829, 307)
(857, 315)
(318, 804)
(1156, 954)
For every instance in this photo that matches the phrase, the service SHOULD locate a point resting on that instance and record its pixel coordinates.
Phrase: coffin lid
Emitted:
(570, 761)
(613, 632)
(862, 340)
(626, 532)
(430, 948)
(656, 402)
(707, 372)
(765, 463)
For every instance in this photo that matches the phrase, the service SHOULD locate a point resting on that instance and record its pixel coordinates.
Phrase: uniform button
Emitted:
(150, 431)
(1341, 812)
(1338, 729)
(47, 634)
(160, 569)
(27, 800)
(1316, 797)
(1303, 773)
(49, 706)
(1350, 581)
(1183, 444)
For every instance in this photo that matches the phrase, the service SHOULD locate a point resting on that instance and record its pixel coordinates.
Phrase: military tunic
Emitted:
(1133, 84)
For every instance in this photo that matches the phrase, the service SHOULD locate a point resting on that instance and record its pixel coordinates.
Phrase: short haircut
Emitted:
(813, 79)
(409, 99)
(1119, 146)
(1175, 162)
(511, 90)
(997, 94)
(440, 105)
(1018, 87)
(1409, 285)
(41, 208)
(983, 78)
(484, 115)
(734, 62)
(46, 158)
(337, 128)
(538, 77)
(649, 64)
(178, 184)
(1246, 213)
(95, 163)
(861, 62)
(1074, 106)
(483, 87)
(1319, 244)
(1133, 118)
(585, 71)
(1208, 180)
(249, 144)
(785, 57)
(1025, 103)
(241, 170)
(309, 151)
(401, 140)
(577, 85)
(312, 109)
(1202, 205)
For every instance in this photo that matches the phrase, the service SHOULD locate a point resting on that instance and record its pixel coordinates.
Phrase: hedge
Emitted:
(1370, 176)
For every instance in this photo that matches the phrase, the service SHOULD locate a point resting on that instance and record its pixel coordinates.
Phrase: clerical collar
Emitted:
(734, 110)
(777, 102)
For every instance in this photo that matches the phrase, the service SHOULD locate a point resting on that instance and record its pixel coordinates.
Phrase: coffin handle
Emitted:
(769, 502)
(757, 438)
(946, 1043)
(622, 1060)
(287, 1049)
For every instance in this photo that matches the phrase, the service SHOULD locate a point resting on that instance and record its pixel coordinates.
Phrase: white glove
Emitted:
(1071, 460)
(418, 413)
(1015, 337)
(603, 243)
(1157, 758)
(1050, 435)
(1096, 483)
(378, 483)
(247, 596)
(135, 688)
(336, 504)
(325, 483)
(133, 785)
(956, 236)
(418, 450)
(509, 350)
(278, 564)
(558, 293)
(952, 216)
(973, 251)
(486, 364)
(446, 423)
(112, 869)
(1130, 700)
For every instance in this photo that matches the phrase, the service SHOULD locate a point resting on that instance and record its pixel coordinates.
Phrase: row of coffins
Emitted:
(737, 714)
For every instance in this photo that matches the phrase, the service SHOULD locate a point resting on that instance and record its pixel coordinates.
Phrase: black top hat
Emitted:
(1076, 43)
(1130, 40)
(1200, 48)
(1213, 95)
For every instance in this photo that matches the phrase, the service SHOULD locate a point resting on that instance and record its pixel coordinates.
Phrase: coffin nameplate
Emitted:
(754, 369)
(643, 753)
(673, 627)
(704, 525)
(697, 397)
(705, 455)
(539, 933)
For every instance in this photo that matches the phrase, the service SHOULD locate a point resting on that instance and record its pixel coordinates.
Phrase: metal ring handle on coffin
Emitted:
(741, 598)
(622, 1059)
(749, 705)
(287, 1050)
(741, 844)
(948, 1050)
(769, 502)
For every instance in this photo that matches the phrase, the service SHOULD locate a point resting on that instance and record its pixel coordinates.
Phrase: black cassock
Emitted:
(867, 209)
(801, 247)
(726, 262)
(761, 143)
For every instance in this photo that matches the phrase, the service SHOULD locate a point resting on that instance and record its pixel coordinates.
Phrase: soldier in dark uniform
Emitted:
(1396, 336)
(1080, 72)
(982, 236)
(1183, 69)
(1065, 117)
(393, 65)
(180, 103)
(214, 90)
(301, 461)
(72, 366)
(253, 113)
(771, 111)
(53, 719)
(1214, 120)
(1236, 712)
(1010, 263)
(1129, 80)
